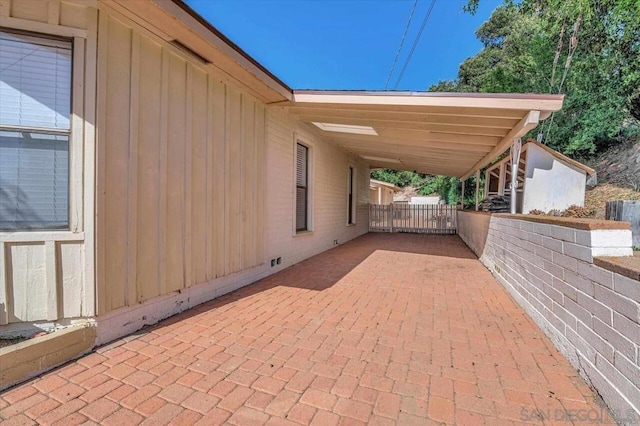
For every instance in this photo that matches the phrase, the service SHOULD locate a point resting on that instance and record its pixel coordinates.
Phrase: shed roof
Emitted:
(571, 162)
(373, 183)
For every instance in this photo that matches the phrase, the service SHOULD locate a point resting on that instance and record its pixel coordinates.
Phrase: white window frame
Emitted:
(77, 37)
(310, 185)
(352, 183)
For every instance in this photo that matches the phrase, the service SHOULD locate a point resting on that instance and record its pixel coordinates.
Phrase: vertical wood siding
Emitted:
(181, 168)
(45, 275)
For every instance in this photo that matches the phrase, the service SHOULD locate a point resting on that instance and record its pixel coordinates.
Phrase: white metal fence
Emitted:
(415, 218)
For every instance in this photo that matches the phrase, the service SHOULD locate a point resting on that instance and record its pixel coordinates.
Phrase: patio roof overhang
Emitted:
(451, 134)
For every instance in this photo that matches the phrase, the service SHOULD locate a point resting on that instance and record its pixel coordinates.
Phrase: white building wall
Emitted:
(550, 184)
(328, 192)
(425, 200)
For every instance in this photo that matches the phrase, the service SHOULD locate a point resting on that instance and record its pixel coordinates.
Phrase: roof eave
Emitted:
(200, 25)
(541, 102)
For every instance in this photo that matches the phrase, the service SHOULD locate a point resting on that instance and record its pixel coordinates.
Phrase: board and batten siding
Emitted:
(180, 170)
(328, 185)
(48, 275)
(177, 180)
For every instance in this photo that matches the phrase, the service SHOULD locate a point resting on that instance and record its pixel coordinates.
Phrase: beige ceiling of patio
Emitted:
(451, 134)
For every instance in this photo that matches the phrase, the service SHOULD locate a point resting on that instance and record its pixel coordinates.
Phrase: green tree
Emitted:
(602, 85)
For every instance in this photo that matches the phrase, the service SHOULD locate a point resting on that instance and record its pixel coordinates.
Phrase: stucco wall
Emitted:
(550, 184)
(473, 228)
(591, 314)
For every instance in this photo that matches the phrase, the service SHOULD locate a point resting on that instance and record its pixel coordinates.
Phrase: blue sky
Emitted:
(349, 44)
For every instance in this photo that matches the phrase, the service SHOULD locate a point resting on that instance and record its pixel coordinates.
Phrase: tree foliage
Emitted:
(602, 85)
(447, 187)
(401, 178)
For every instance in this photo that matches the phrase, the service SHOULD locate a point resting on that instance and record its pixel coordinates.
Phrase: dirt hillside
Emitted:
(618, 171)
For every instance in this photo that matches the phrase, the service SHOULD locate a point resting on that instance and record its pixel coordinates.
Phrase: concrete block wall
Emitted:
(591, 314)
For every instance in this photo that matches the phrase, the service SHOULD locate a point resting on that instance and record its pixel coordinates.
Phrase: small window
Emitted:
(35, 88)
(351, 199)
(302, 188)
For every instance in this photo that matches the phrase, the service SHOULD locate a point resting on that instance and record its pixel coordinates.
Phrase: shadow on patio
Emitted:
(388, 328)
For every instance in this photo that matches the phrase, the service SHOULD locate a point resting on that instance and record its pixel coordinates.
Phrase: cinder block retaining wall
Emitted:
(591, 314)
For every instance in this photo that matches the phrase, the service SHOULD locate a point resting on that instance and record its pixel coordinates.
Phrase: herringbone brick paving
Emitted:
(386, 329)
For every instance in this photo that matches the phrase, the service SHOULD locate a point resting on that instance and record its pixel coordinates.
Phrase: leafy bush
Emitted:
(602, 84)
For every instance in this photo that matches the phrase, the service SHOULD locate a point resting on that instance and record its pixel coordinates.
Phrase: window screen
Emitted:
(35, 88)
(302, 187)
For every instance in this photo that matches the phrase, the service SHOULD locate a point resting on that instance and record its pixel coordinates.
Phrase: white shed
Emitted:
(547, 179)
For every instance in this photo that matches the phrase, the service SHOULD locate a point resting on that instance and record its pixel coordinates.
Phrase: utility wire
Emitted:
(415, 43)
(406, 29)
(557, 56)
(573, 45)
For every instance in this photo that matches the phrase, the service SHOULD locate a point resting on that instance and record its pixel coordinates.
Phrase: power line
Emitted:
(415, 43)
(406, 29)
(573, 45)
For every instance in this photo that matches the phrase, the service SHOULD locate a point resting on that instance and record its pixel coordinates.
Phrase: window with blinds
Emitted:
(302, 187)
(35, 88)
(350, 207)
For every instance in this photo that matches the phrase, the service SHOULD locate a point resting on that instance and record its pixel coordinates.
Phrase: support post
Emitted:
(478, 190)
(391, 217)
(462, 196)
(516, 146)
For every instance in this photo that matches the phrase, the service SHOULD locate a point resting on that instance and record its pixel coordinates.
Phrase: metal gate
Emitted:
(415, 218)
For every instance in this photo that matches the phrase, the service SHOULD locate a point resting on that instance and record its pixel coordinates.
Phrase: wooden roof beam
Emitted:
(417, 138)
(452, 128)
(530, 121)
(394, 145)
(417, 156)
(294, 108)
(328, 116)
(395, 150)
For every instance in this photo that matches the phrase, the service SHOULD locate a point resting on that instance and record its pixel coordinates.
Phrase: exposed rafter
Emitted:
(445, 133)
(393, 116)
(399, 144)
(434, 110)
(530, 121)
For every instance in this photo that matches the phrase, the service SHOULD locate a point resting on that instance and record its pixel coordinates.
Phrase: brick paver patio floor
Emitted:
(386, 329)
